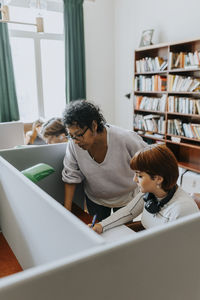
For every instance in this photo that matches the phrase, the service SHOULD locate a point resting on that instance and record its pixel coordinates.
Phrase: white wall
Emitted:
(173, 20)
(99, 46)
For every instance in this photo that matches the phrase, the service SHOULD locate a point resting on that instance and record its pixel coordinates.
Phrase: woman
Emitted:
(53, 131)
(98, 155)
(33, 137)
(160, 200)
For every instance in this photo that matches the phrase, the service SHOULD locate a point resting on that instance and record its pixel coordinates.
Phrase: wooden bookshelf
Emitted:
(179, 121)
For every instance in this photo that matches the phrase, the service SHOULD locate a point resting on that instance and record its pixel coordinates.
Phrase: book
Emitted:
(151, 116)
(170, 60)
(162, 103)
(170, 82)
(138, 100)
(198, 106)
(178, 126)
(163, 66)
(176, 64)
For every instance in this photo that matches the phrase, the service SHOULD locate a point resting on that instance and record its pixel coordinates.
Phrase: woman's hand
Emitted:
(97, 228)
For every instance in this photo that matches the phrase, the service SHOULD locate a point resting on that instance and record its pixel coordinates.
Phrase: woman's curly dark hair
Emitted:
(82, 113)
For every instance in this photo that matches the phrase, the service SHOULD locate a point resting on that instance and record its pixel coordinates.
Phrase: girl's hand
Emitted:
(97, 228)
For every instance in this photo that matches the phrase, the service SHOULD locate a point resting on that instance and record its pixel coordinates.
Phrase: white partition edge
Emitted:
(161, 263)
(31, 219)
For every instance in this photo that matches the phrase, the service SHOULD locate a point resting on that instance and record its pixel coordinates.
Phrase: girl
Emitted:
(160, 200)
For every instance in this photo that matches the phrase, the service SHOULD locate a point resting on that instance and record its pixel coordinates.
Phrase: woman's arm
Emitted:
(71, 175)
(69, 194)
(124, 215)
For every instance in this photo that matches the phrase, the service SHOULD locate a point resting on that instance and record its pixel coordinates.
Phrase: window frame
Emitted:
(37, 38)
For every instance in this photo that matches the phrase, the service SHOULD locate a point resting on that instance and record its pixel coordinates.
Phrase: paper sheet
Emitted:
(117, 233)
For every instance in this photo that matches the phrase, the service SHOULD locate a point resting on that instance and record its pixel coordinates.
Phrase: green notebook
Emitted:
(38, 172)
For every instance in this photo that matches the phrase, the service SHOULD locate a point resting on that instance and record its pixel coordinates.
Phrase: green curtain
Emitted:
(8, 99)
(74, 50)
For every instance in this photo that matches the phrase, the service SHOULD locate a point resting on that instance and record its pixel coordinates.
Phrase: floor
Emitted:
(8, 262)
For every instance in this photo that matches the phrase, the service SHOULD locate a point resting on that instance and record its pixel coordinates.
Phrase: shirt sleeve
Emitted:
(125, 214)
(71, 172)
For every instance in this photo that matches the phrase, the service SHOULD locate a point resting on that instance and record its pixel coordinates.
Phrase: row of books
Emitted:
(151, 103)
(183, 105)
(178, 83)
(150, 83)
(185, 60)
(151, 64)
(151, 123)
(189, 130)
(157, 124)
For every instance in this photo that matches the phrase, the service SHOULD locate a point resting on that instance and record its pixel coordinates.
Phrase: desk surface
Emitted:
(81, 214)
(114, 233)
(117, 233)
(86, 218)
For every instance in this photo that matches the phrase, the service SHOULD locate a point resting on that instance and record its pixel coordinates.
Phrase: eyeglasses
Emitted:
(77, 137)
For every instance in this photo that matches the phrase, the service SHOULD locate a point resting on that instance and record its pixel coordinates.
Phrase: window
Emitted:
(25, 77)
(54, 98)
(38, 61)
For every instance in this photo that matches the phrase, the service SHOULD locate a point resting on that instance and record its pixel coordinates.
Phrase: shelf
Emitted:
(192, 146)
(169, 141)
(183, 115)
(167, 92)
(184, 70)
(184, 137)
(151, 73)
(189, 166)
(183, 93)
(152, 47)
(150, 111)
(150, 93)
(150, 136)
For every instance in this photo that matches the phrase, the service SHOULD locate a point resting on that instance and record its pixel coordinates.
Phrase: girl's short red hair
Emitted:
(157, 160)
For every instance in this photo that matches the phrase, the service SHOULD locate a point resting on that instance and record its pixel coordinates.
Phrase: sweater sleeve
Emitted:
(125, 214)
(71, 172)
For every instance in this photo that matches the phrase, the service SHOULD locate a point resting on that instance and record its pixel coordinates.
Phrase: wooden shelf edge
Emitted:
(183, 70)
(150, 92)
(184, 138)
(151, 73)
(151, 137)
(186, 145)
(183, 93)
(189, 166)
(150, 111)
(163, 45)
(167, 112)
(184, 115)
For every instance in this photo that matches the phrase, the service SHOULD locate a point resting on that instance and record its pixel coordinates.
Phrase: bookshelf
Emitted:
(167, 98)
